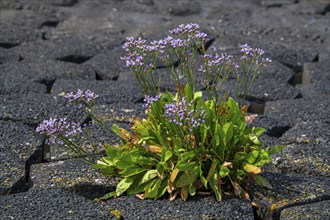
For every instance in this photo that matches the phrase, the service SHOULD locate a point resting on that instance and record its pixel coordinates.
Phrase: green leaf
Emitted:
(161, 167)
(123, 185)
(115, 129)
(216, 135)
(198, 94)
(262, 158)
(228, 131)
(233, 105)
(192, 190)
(187, 155)
(212, 170)
(214, 184)
(240, 174)
(150, 174)
(252, 156)
(224, 171)
(187, 177)
(183, 166)
(137, 189)
(201, 177)
(239, 158)
(263, 182)
(108, 171)
(163, 188)
(113, 152)
(132, 170)
(153, 192)
(204, 181)
(108, 196)
(258, 131)
(100, 165)
(276, 149)
(254, 139)
(188, 92)
(168, 155)
(204, 132)
(184, 193)
(159, 137)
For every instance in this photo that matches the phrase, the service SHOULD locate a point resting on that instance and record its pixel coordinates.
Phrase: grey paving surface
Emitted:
(56, 46)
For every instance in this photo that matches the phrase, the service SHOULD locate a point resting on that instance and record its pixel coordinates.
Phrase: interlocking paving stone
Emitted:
(73, 175)
(298, 110)
(308, 149)
(315, 79)
(45, 72)
(51, 204)
(6, 56)
(318, 210)
(198, 207)
(14, 35)
(73, 49)
(274, 127)
(108, 66)
(29, 19)
(33, 108)
(18, 143)
(288, 190)
(19, 85)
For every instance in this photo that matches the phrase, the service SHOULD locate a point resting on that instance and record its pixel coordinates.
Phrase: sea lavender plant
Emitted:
(185, 143)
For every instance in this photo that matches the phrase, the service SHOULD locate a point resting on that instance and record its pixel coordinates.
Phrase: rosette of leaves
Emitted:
(160, 157)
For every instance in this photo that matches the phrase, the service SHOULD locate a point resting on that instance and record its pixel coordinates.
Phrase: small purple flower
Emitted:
(180, 114)
(250, 52)
(265, 62)
(84, 99)
(258, 51)
(149, 100)
(214, 62)
(185, 28)
(58, 128)
(178, 43)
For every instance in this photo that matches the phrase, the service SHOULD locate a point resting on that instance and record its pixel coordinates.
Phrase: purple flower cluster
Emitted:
(185, 28)
(248, 51)
(57, 128)
(179, 113)
(191, 34)
(84, 99)
(214, 61)
(149, 100)
(139, 54)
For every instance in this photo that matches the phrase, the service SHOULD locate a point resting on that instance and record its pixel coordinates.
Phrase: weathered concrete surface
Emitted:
(51, 204)
(288, 191)
(73, 175)
(56, 46)
(309, 211)
(18, 149)
(199, 207)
